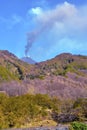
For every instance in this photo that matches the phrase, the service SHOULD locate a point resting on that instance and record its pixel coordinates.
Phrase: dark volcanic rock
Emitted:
(64, 117)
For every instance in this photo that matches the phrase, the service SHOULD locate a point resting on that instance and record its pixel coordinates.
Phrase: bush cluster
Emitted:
(17, 111)
(20, 110)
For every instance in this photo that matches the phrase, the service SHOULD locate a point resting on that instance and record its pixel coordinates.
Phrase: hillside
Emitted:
(62, 64)
(11, 68)
(64, 76)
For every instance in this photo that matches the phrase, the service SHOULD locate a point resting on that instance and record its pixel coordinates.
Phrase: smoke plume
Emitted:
(64, 20)
(31, 37)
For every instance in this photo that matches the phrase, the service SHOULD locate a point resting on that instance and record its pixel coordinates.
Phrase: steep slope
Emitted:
(11, 68)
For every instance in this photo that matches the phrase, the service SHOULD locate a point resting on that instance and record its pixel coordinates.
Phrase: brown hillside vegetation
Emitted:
(64, 76)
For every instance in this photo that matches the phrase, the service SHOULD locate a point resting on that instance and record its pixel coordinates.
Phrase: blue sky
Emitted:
(43, 29)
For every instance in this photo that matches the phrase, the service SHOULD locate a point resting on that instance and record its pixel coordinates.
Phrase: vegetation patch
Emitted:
(36, 110)
(78, 126)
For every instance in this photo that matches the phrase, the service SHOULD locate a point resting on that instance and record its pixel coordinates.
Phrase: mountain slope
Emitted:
(64, 76)
(62, 64)
(11, 67)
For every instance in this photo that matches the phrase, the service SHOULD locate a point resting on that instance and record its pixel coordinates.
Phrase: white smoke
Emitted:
(64, 19)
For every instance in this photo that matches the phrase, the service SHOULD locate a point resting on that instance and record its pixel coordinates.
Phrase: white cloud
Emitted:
(66, 22)
(66, 14)
(64, 19)
(36, 11)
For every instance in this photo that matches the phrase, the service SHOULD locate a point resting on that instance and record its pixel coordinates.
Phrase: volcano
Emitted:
(28, 60)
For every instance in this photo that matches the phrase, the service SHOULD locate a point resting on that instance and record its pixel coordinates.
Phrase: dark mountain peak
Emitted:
(28, 60)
